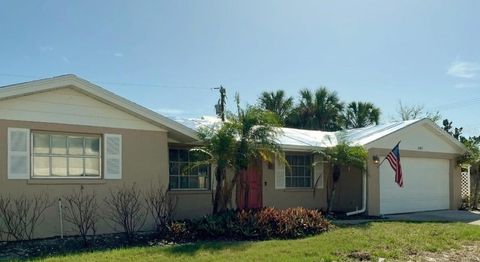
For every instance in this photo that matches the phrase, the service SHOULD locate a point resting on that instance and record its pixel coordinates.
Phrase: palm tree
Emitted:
(219, 144)
(319, 110)
(256, 132)
(277, 102)
(244, 138)
(343, 155)
(361, 114)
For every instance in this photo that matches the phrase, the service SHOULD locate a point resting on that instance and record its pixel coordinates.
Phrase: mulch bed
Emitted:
(38, 248)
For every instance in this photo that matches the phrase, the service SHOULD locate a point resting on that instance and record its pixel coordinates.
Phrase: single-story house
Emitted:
(63, 133)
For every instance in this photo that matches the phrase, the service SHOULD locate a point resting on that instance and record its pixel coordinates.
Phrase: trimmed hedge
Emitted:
(262, 224)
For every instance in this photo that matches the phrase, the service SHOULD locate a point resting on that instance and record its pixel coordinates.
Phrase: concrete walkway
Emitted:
(470, 217)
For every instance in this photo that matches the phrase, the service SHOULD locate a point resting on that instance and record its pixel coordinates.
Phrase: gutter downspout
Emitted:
(364, 195)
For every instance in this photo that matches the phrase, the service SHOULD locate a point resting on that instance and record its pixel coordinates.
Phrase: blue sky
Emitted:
(167, 55)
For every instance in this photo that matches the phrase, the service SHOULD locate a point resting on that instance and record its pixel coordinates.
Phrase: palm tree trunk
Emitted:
(335, 177)
(218, 202)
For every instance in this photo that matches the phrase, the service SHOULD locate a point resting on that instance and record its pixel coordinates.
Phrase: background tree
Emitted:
(411, 112)
(361, 114)
(318, 110)
(454, 131)
(470, 159)
(278, 103)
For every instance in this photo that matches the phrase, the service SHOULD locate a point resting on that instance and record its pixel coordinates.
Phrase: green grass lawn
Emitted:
(379, 239)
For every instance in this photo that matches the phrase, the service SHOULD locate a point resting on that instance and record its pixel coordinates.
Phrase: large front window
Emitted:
(185, 173)
(299, 171)
(66, 155)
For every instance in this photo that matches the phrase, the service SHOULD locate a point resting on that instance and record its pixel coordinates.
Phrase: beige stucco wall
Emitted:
(348, 195)
(285, 198)
(145, 162)
(373, 179)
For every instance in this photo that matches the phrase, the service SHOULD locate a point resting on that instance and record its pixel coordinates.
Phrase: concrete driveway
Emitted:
(470, 217)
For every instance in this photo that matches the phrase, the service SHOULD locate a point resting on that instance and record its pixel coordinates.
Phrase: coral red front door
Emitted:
(249, 192)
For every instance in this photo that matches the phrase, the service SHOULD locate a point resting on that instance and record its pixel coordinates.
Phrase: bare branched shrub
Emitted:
(126, 209)
(20, 215)
(161, 206)
(81, 210)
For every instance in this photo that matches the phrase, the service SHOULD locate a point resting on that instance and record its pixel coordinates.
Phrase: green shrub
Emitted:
(266, 223)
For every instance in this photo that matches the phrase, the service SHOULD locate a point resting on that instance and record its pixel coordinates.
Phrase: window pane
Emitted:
(59, 166)
(290, 160)
(203, 171)
(193, 182)
(288, 182)
(183, 169)
(59, 144)
(173, 155)
(183, 182)
(298, 171)
(92, 167)
(183, 155)
(75, 145)
(173, 169)
(308, 182)
(92, 146)
(203, 182)
(193, 171)
(41, 143)
(41, 166)
(173, 181)
(75, 166)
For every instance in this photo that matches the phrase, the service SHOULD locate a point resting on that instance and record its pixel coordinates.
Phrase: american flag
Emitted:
(394, 159)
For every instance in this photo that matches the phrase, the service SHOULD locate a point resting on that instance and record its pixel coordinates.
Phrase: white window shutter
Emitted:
(213, 170)
(318, 171)
(18, 153)
(279, 172)
(113, 156)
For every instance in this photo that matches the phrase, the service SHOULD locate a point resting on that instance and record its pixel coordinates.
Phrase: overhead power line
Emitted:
(30, 77)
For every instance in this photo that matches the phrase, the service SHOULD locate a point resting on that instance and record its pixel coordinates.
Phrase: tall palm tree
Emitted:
(277, 102)
(319, 110)
(219, 144)
(247, 136)
(361, 114)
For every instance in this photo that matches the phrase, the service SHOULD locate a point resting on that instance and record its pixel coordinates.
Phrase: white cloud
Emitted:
(464, 85)
(118, 54)
(169, 111)
(464, 69)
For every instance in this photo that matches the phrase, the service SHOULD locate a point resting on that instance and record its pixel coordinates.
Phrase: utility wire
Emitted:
(30, 77)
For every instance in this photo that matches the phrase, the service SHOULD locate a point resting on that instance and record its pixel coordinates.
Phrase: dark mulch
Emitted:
(38, 248)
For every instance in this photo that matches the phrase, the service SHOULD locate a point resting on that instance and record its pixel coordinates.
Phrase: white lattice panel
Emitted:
(465, 182)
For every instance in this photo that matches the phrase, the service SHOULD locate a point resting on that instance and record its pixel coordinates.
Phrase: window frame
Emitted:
(208, 177)
(311, 168)
(100, 156)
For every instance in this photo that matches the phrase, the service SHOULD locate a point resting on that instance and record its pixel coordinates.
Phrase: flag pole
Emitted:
(387, 154)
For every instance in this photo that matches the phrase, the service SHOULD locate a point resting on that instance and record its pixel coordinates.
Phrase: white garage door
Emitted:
(425, 186)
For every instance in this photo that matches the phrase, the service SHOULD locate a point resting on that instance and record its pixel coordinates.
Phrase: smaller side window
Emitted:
(184, 174)
(299, 172)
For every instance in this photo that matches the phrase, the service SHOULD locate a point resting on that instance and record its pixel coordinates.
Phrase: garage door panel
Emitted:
(426, 186)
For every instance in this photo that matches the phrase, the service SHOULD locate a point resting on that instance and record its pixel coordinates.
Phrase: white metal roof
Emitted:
(300, 139)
